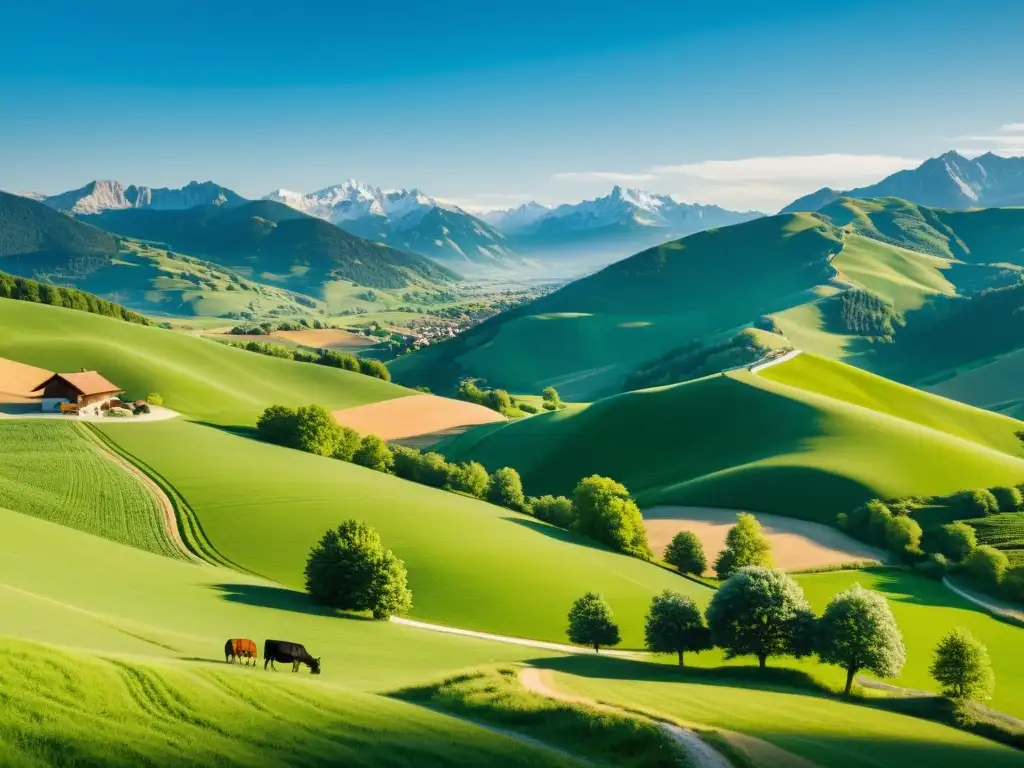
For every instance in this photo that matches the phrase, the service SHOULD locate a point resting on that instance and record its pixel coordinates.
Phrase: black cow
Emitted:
(283, 651)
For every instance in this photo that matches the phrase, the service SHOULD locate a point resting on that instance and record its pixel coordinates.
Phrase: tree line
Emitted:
(327, 357)
(600, 508)
(950, 549)
(24, 289)
(762, 612)
(867, 314)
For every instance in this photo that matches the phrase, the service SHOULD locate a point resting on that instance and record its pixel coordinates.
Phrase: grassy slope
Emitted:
(266, 506)
(753, 441)
(994, 385)
(51, 470)
(200, 378)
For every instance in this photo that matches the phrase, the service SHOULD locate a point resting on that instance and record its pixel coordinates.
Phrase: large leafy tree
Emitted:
(962, 666)
(590, 623)
(316, 430)
(858, 631)
(745, 545)
(760, 612)
(674, 625)
(506, 489)
(686, 553)
(604, 511)
(349, 569)
(373, 453)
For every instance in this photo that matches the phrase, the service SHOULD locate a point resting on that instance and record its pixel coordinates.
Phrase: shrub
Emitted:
(556, 510)
(686, 553)
(590, 623)
(760, 612)
(472, 478)
(550, 407)
(527, 408)
(141, 409)
(962, 667)
(373, 453)
(985, 566)
(957, 541)
(349, 569)
(936, 566)
(744, 545)
(979, 502)
(375, 368)
(604, 511)
(277, 424)
(1013, 584)
(1008, 499)
(155, 398)
(506, 490)
(858, 631)
(117, 412)
(674, 625)
(903, 536)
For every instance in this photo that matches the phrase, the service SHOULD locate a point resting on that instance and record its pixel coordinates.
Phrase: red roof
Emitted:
(86, 382)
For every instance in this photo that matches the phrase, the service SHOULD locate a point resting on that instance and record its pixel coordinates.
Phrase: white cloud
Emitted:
(1013, 128)
(488, 201)
(613, 176)
(836, 170)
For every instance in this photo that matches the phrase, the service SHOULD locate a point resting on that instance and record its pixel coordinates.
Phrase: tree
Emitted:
(1013, 584)
(348, 442)
(686, 553)
(551, 398)
(155, 398)
(316, 430)
(744, 545)
(761, 612)
(1009, 498)
(349, 569)
(674, 625)
(375, 368)
(556, 510)
(858, 631)
(903, 536)
(979, 501)
(507, 489)
(277, 424)
(604, 511)
(590, 623)
(958, 540)
(962, 668)
(986, 566)
(472, 478)
(373, 453)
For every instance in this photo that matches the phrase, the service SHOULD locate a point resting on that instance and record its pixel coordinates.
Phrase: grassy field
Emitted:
(1005, 531)
(821, 729)
(808, 438)
(925, 610)
(62, 708)
(50, 470)
(265, 506)
(203, 379)
(995, 385)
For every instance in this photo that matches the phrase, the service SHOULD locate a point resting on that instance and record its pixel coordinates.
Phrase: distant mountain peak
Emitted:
(108, 194)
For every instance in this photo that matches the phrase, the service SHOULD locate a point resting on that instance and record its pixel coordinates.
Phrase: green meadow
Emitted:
(204, 379)
(263, 507)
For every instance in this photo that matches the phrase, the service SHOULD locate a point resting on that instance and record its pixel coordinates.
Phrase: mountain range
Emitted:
(105, 195)
(950, 181)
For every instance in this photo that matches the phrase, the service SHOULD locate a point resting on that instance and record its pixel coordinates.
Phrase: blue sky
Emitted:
(745, 104)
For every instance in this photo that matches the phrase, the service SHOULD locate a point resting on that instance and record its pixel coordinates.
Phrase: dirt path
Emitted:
(557, 647)
(769, 363)
(989, 605)
(699, 754)
(163, 503)
(796, 544)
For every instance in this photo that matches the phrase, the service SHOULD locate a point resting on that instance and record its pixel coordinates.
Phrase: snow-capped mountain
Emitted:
(621, 223)
(948, 181)
(511, 219)
(406, 219)
(106, 195)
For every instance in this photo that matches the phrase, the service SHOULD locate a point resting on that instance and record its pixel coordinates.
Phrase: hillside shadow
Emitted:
(280, 599)
(232, 429)
(559, 534)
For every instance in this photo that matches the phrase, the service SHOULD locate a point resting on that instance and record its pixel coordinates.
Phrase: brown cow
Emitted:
(240, 648)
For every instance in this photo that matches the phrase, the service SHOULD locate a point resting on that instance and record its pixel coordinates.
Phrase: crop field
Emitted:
(265, 506)
(807, 439)
(415, 416)
(64, 708)
(823, 730)
(925, 610)
(1005, 532)
(50, 470)
(202, 379)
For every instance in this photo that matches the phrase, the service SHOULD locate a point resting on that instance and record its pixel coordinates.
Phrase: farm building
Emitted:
(87, 390)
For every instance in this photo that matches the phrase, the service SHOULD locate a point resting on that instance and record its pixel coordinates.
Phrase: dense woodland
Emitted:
(23, 289)
(866, 314)
(694, 360)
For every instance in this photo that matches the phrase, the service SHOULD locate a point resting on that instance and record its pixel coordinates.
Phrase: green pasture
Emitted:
(202, 379)
(51, 470)
(471, 564)
(808, 438)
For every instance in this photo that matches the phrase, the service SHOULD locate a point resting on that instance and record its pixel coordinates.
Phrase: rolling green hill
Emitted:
(200, 378)
(806, 438)
(597, 335)
(270, 242)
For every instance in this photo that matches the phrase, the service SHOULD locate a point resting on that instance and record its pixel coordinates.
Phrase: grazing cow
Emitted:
(240, 648)
(283, 651)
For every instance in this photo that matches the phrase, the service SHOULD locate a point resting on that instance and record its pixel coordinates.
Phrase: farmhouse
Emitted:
(86, 390)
